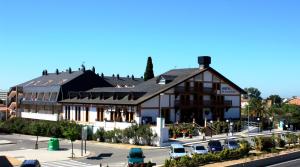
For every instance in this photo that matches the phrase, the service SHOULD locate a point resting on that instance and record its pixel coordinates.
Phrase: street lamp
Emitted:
(258, 124)
(271, 119)
(227, 121)
(160, 116)
(211, 131)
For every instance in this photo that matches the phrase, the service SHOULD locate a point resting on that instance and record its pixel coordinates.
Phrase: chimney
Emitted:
(204, 61)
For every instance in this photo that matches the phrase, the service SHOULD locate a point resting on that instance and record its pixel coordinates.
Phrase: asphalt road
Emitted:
(292, 163)
(99, 154)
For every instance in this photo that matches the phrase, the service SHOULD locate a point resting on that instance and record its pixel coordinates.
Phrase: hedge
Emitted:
(48, 128)
(202, 159)
(139, 134)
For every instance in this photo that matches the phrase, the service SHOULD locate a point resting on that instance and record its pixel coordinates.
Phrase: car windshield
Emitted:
(179, 150)
(200, 148)
(233, 143)
(136, 155)
(215, 143)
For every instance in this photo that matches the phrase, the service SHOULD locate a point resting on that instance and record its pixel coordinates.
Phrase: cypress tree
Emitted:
(149, 70)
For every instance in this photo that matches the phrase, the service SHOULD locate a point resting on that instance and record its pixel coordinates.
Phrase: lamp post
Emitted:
(161, 122)
(227, 121)
(211, 122)
(248, 120)
(271, 119)
(258, 124)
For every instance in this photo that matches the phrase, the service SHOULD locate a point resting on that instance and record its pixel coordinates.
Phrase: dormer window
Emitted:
(165, 79)
(162, 81)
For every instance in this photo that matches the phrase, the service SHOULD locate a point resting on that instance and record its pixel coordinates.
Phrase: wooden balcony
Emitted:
(204, 103)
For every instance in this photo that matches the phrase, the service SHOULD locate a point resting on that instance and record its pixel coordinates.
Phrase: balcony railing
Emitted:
(204, 103)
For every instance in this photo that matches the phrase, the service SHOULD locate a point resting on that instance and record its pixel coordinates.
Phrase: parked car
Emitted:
(135, 156)
(231, 144)
(214, 146)
(177, 151)
(198, 149)
(31, 163)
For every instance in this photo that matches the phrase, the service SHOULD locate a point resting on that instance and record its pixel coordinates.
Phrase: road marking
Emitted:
(117, 164)
(286, 162)
(66, 163)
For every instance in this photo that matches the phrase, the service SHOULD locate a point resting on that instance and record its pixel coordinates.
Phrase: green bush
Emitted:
(141, 135)
(202, 159)
(47, 128)
(264, 143)
(99, 135)
(291, 138)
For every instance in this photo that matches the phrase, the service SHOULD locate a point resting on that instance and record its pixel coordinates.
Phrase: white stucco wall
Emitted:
(150, 113)
(228, 90)
(153, 102)
(235, 100)
(207, 76)
(232, 113)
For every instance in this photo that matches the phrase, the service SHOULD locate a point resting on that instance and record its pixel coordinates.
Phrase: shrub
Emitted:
(264, 143)
(245, 147)
(47, 128)
(291, 138)
(99, 135)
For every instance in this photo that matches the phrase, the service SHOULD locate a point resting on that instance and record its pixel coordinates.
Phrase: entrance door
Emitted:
(166, 115)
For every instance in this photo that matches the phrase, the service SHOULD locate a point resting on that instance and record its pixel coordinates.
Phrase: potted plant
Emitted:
(184, 133)
(190, 132)
(174, 134)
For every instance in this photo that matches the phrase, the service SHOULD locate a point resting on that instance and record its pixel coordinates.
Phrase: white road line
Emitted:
(286, 162)
(68, 163)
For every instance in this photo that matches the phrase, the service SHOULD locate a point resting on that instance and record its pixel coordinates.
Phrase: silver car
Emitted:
(198, 149)
(231, 144)
(177, 151)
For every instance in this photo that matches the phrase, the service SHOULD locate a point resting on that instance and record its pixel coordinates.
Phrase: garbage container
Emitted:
(53, 144)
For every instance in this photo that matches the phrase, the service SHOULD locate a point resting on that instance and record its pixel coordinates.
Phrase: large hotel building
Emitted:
(180, 95)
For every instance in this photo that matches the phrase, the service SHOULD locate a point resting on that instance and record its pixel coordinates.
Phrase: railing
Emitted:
(204, 103)
(208, 90)
(181, 89)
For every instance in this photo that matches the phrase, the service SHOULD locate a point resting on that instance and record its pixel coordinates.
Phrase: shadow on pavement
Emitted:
(4, 162)
(100, 156)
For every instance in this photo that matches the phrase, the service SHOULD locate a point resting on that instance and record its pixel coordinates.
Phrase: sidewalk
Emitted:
(4, 142)
(43, 155)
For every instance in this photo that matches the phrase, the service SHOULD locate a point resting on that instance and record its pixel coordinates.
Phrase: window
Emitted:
(86, 114)
(53, 96)
(187, 86)
(66, 112)
(100, 114)
(77, 113)
(40, 96)
(47, 96)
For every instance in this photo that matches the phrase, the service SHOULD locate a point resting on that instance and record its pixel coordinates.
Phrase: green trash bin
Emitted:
(53, 144)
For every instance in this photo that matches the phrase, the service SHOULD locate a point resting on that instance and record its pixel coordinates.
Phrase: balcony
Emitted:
(208, 90)
(41, 116)
(182, 89)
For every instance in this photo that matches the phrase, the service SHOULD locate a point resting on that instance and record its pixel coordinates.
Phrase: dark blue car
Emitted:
(214, 146)
(31, 163)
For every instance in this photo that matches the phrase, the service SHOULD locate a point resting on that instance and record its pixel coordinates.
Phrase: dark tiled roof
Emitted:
(123, 81)
(52, 79)
(150, 88)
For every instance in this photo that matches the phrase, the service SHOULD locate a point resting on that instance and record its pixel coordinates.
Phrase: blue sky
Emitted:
(253, 43)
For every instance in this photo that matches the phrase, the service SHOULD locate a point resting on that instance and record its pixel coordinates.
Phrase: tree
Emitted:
(36, 130)
(149, 70)
(253, 93)
(276, 99)
(72, 134)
